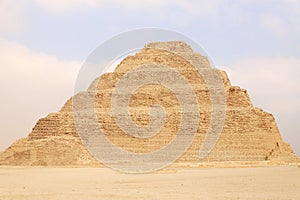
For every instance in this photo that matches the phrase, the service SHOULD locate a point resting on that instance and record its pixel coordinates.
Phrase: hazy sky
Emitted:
(43, 44)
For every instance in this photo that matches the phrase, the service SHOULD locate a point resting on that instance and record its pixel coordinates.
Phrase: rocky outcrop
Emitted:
(249, 137)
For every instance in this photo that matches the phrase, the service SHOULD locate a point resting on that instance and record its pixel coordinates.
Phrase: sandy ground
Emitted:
(92, 183)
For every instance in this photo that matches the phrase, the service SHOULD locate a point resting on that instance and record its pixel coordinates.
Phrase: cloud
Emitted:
(221, 13)
(273, 84)
(269, 76)
(274, 24)
(198, 7)
(67, 5)
(64, 5)
(11, 18)
(32, 84)
(171, 11)
(191, 6)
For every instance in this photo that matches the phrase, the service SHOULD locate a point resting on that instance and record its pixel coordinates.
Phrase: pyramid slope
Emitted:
(249, 137)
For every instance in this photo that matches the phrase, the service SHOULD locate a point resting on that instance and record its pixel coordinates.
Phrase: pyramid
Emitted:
(249, 135)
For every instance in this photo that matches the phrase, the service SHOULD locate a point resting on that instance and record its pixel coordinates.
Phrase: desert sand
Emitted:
(103, 183)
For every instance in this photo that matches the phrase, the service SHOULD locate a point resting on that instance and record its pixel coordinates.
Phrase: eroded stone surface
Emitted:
(250, 135)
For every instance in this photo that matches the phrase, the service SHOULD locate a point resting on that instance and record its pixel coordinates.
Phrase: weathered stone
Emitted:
(249, 137)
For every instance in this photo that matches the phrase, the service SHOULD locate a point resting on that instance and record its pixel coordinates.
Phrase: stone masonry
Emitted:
(249, 136)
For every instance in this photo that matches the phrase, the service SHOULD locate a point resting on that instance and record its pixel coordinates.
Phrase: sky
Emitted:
(43, 44)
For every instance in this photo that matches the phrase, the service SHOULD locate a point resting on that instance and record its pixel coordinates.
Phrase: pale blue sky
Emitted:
(265, 28)
(44, 42)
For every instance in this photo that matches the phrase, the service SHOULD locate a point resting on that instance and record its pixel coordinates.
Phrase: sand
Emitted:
(102, 183)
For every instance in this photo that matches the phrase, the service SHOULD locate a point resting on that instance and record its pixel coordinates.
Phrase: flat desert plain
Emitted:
(103, 183)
